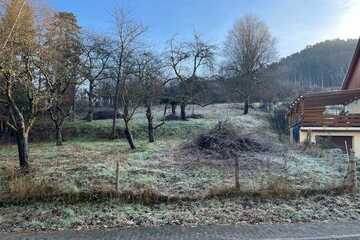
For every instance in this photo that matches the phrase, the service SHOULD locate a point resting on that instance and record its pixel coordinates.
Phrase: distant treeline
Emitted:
(322, 65)
(315, 68)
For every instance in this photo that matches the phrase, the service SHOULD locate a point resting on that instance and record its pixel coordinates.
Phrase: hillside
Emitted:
(184, 178)
(322, 65)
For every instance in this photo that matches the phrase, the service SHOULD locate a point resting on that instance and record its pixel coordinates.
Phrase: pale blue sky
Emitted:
(295, 23)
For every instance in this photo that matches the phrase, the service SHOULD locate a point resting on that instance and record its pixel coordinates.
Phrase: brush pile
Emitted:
(227, 140)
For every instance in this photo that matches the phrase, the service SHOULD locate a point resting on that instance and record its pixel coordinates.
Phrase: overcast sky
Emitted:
(294, 23)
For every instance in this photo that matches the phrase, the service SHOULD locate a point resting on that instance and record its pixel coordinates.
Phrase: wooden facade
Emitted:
(310, 110)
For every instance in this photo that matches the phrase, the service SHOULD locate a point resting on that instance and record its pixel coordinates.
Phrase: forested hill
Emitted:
(322, 65)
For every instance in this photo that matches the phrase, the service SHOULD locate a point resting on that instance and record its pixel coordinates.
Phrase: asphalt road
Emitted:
(327, 231)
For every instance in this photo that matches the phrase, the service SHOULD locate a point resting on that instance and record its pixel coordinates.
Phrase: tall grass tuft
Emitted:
(27, 187)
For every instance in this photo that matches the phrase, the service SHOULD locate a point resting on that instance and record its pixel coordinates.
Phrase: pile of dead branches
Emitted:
(227, 140)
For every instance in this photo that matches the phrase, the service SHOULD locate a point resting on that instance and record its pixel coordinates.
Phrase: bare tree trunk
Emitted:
(173, 108)
(117, 176)
(116, 107)
(129, 136)
(165, 109)
(113, 131)
(237, 177)
(90, 116)
(59, 137)
(73, 103)
(353, 173)
(246, 107)
(22, 140)
(151, 129)
(183, 111)
(58, 118)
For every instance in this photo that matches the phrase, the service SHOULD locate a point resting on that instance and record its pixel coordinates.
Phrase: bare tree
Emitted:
(22, 91)
(60, 66)
(249, 48)
(95, 63)
(131, 96)
(188, 60)
(149, 71)
(128, 40)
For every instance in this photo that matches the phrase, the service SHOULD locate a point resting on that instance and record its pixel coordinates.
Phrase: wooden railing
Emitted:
(352, 120)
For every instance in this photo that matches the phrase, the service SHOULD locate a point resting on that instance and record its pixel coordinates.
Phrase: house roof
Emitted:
(322, 99)
(352, 67)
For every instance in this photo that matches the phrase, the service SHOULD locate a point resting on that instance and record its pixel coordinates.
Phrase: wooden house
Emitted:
(333, 116)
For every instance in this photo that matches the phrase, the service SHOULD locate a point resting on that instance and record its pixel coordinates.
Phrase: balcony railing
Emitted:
(352, 120)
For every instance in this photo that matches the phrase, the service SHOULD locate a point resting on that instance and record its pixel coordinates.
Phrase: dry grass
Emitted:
(26, 187)
(280, 186)
(77, 168)
(279, 189)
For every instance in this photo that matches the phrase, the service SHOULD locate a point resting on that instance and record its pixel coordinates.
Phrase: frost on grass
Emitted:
(83, 165)
(55, 216)
(166, 167)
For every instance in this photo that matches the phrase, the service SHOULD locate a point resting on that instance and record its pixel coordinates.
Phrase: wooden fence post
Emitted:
(308, 137)
(117, 176)
(291, 136)
(353, 173)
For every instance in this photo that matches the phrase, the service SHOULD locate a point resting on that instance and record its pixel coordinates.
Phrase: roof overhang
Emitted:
(352, 67)
(322, 99)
